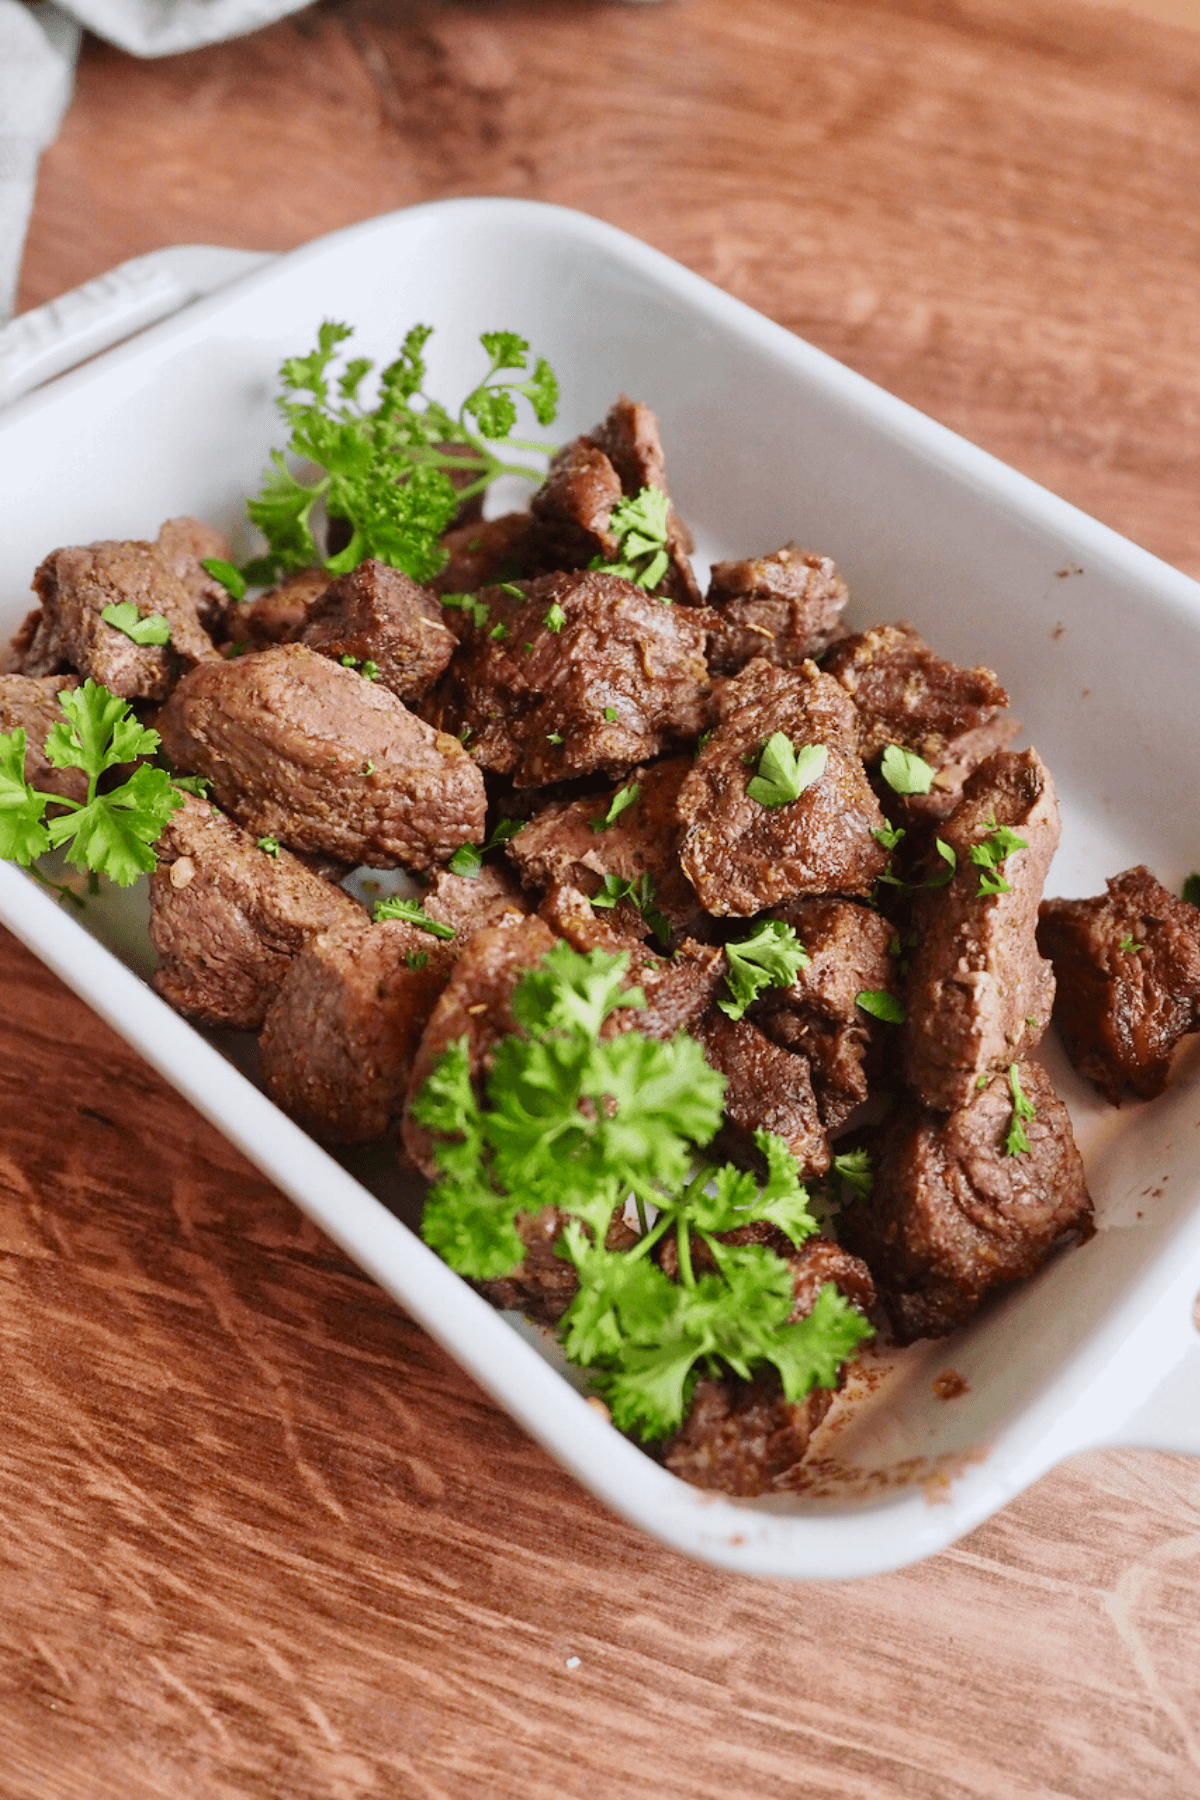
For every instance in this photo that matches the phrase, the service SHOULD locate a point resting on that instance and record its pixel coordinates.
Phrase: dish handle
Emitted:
(56, 337)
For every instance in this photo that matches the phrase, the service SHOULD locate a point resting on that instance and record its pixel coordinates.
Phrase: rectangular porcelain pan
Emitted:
(767, 439)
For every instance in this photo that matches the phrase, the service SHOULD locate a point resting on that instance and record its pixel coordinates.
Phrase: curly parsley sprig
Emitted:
(110, 833)
(580, 1122)
(386, 468)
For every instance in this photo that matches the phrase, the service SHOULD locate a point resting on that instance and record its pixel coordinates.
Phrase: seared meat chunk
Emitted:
(76, 584)
(745, 1437)
(301, 749)
(477, 1005)
(767, 1089)
(979, 995)
(340, 1037)
(567, 843)
(31, 705)
(741, 855)
(543, 1284)
(469, 903)
(185, 544)
(279, 615)
(227, 919)
(1127, 968)
(535, 701)
(905, 694)
(786, 607)
(587, 479)
(818, 1015)
(951, 1216)
(12, 656)
(480, 555)
(678, 989)
(376, 614)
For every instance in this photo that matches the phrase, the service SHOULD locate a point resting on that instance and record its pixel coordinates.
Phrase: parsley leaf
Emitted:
(416, 959)
(784, 773)
(22, 833)
(1127, 944)
(468, 603)
(385, 469)
(905, 772)
(414, 913)
(771, 957)
(853, 1167)
(555, 619)
(610, 715)
(639, 891)
(640, 528)
(467, 861)
(231, 578)
(270, 845)
(123, 615)
(623, 798)
(881, 1005)
(1016, 1143)
(991, 853)
(889, 836)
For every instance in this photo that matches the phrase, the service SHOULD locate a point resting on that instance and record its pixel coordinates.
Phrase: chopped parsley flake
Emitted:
(853, 1168)
(888, 835)
(555, 619)
(416, 959)
(1016, 1143)
(467, 861)
(123, 615)
(640, 528)
(772, 956)
(785, 772)
(230, 578)
(1127, 944)
(881, 1005)
(499, 632)
(905, 772)
(269, 845)
(640, 893)
(991, 853)
(413, 913)
(553, 737)
(623, 798)
(610, 715)
(468, 603)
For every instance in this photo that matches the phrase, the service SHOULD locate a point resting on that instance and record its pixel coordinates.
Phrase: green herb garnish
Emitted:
(108, 834)
(610, 715)
(640, 527)
(640, 893)
(889, 836)
(413, 913)
(1016, 1143)
(881, 1005)
(555, 619)
(853, 1168)
(231, 578)
(905, 772)
(771, 957)
(1127, 944)
(784, 772)
(623, 798)
(991, 853)
(269, 845)
(123, 615)
(386, 468)
(468, 603)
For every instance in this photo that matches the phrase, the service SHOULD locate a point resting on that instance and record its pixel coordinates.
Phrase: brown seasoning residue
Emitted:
(950, 1384)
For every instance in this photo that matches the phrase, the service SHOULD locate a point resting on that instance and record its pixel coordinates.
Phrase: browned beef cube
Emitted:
(76, 584)
(535, 700)
(744, 1437)
(952, 1216)
(587, 478)
(1127, 968)
(979, 995)
(786, 607)
(226, 918)
(376, 614)
(12, 657)
(564, 845)
(616, 929)
(905, 694)
(476, 1005)
(482, 554)
(31, 705)
(767, 1089)
(280, 615)
(185, 545)
(303, 750)
(741, 855)
(339, 1040)
(819, 1015)
(468, 904)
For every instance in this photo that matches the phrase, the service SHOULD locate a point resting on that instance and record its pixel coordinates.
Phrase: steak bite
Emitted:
(185, 544)
(745, 1437)
(1127, 968)
(468, 903)
(376, 614)
(31, 705)
(819, 1015)
(952, 1216)
(279, 615)
(483, 554)
(741, 855)
(301, 749)
(535, 701)
(786, 607)
(905, 694)
(476, 1005)
(340, 1037)
(76, 584)
(227, 919)
(767, 1089)
(979, 995)
(568, 843)
(588, 478)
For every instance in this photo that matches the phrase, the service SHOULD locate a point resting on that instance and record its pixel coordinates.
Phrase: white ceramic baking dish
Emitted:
(767, 440)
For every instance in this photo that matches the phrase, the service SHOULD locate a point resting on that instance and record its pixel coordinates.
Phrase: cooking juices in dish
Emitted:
(712, 1018)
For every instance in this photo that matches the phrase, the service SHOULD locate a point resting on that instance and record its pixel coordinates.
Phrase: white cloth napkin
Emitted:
(38, 46)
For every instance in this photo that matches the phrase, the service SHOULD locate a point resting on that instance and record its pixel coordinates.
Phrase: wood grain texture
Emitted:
(260, 1537)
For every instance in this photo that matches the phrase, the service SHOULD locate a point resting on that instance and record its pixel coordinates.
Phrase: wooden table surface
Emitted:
(259, 1536)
